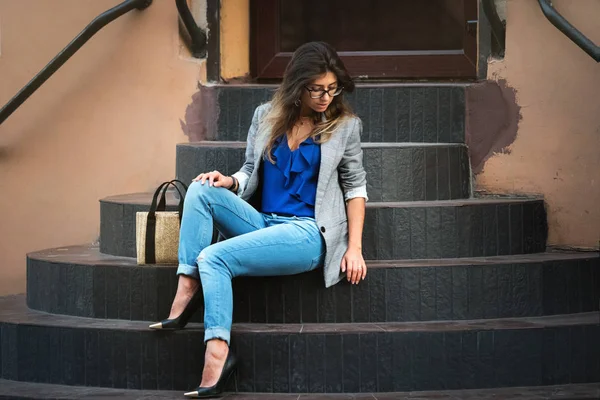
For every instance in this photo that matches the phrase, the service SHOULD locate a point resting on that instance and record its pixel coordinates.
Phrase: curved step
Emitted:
(395, 112)
(395, 171)
(395, 230)
(479, 227)
(301, 358)
(81, 281)
(28, 390)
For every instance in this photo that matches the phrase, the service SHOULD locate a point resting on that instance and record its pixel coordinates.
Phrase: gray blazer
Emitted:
(341, 177)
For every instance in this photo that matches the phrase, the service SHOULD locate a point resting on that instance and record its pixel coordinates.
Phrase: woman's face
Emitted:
(327, 81)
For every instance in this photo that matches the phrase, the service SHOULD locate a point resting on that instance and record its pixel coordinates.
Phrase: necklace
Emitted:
(300, 125)
(295, 138)
(302, 119)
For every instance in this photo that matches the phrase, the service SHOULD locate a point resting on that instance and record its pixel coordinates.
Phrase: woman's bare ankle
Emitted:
(217, 348)
(186, 287)
(187, 283)
(214, 361)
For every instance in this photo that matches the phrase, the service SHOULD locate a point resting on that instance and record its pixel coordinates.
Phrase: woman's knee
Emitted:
(197, 189)
(206, 192)
(211, 261)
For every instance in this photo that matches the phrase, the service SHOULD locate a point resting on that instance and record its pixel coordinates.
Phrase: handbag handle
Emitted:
(160, 205)
(162, 202)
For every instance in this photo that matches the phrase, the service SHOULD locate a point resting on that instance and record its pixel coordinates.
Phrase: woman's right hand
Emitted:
(215, 178)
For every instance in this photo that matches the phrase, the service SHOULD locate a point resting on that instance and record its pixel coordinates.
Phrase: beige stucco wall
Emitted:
(557, 148)
(106, 123)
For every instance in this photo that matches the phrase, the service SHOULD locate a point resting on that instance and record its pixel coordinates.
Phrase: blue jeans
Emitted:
(256, 244)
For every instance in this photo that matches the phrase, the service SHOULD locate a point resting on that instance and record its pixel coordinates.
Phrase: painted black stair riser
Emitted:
(431, 114)
(308, 362)
(408, 173)
(406, 231)
(390, 294)
(469, 230)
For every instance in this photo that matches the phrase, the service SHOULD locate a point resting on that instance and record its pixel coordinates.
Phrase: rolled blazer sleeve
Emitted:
(353, 177)
(243, 175)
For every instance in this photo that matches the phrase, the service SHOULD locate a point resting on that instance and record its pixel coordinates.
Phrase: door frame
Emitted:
(266, 60)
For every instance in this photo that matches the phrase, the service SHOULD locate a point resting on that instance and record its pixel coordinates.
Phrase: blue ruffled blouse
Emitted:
(290, 185)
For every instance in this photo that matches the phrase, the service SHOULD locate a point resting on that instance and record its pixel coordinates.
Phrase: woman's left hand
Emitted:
(354, 265)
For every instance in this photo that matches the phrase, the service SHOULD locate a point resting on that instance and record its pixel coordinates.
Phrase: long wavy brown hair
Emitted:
(310, 61)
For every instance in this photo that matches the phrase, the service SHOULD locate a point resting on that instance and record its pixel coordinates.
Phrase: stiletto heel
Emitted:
(235, 380)
(229, 369)
(181, 321)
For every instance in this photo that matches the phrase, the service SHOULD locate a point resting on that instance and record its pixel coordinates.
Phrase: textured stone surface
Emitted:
(20, 390)
(298, 358)
(472, 288)
(448, 229)
(390, 113)
(117, 221)
(395, 172)
(393, 230)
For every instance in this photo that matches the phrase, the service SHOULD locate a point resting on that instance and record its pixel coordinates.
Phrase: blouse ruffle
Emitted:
(297, 168)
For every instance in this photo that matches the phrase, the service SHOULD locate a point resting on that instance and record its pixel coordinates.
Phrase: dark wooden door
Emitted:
(383, 39)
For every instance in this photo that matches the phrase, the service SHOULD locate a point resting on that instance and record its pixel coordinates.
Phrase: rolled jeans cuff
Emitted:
(189, 270)
(217, 333)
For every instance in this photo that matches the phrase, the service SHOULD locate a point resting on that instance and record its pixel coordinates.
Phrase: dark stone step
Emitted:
(27, 390)
(390, 112)
(454, 228)
(81, 281)
(395, 171)
(304, 358)
(393, 231)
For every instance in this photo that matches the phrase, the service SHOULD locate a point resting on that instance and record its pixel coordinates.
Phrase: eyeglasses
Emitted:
(318, 93)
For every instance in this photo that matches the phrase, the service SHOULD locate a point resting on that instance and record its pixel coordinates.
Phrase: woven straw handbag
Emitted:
(157, 230)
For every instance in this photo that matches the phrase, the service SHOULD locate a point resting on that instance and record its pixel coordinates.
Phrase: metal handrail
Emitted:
(197, 36)
(98, 23)
(569, 30)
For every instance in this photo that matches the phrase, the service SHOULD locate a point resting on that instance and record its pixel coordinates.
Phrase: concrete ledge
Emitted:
(81, 281)
(393, 230)
(390, 112)
(317, 358)
(26, 390)
(395, 172)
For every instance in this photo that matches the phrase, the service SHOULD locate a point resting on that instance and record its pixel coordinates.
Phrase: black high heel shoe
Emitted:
(181, 321)
(217, 389)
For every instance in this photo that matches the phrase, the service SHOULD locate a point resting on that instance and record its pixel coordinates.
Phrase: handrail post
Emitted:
(197, 35)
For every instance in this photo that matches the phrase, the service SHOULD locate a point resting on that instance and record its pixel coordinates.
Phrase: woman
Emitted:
(304, 172)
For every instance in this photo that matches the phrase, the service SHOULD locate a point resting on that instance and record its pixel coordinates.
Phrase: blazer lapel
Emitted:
(259, 146)
(329, 154)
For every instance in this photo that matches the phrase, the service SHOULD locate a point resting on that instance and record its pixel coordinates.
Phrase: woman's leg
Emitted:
(288, 246)
(204, 208)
